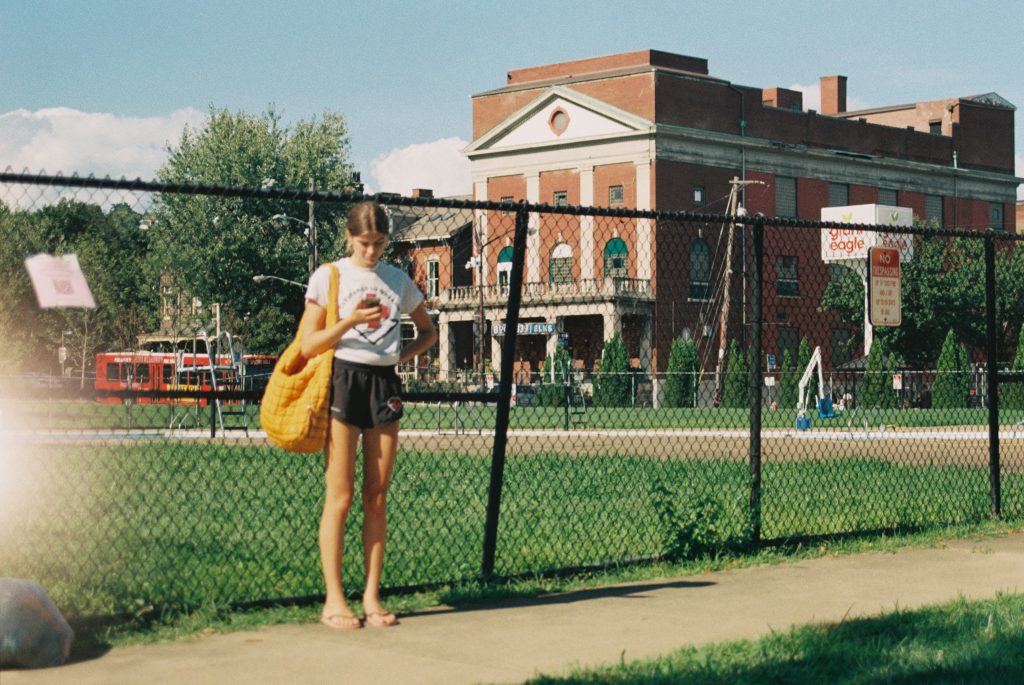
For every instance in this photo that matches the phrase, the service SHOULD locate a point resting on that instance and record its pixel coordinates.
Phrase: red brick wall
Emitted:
(559, 228)
(498, 223)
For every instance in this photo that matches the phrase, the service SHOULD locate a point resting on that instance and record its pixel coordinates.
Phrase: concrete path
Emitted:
(511, 641)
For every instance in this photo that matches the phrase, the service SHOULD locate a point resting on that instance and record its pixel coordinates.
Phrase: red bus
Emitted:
(156, 371)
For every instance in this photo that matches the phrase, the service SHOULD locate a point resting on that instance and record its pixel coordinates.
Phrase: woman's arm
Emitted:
(316, 338)
(426, 336)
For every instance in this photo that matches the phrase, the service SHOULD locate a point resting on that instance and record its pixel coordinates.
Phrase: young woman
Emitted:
(365, 400)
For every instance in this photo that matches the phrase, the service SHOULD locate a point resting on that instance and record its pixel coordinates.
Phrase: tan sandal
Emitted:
(380, 619)
(342, 622)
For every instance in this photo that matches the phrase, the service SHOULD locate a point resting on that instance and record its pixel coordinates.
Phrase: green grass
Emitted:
(958, 642)
(163, 526)
(81, 414)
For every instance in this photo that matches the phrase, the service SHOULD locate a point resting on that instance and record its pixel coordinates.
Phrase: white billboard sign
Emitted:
(848, 244)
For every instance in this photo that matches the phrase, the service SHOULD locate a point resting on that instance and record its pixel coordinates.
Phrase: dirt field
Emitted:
(918, 447)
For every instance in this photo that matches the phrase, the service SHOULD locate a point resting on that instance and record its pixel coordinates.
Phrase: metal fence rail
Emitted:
(610, 386)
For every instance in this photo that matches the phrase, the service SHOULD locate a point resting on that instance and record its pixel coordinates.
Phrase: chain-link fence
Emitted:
(609, 386)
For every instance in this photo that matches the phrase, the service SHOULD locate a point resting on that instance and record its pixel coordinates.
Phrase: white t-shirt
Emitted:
(398, 294)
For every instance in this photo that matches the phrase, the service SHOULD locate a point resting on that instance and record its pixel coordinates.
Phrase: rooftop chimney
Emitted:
(422, 192)
(833, 94)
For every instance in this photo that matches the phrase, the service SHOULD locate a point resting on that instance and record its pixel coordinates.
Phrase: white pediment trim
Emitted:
(588, 118)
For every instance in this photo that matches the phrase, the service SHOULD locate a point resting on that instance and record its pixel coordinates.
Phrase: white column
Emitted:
(495, 351)
(586, 224)
(533, 236)
(480, 223)
(445, 348)
(612, 323)
(646, 345)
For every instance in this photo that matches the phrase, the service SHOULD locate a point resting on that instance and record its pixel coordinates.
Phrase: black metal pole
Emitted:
(757, 257)
(992, 372)
(508, 353)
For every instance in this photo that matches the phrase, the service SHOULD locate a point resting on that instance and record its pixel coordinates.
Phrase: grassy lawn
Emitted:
(80, 414)
(959, 642)
(166, 526)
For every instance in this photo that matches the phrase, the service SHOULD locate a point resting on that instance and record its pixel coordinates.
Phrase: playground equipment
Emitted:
(824, 403)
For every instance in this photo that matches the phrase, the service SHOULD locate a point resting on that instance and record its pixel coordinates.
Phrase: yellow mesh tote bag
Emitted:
(295, 410)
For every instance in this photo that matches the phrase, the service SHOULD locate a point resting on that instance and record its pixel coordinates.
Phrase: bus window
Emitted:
(168, 374)
(142, 373)
(113, 371)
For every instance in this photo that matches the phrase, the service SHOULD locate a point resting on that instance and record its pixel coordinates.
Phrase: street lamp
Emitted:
(309, 230)
(259, 278)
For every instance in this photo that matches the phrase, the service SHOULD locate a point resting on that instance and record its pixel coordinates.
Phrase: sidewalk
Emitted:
(511, 641)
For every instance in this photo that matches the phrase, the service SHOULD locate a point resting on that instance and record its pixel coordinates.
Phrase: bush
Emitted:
(682, 374)
(952, 379)
(876, 387)
(736, 391)
(612, 385)
(693, 526)
(789, 382)
(803, 357)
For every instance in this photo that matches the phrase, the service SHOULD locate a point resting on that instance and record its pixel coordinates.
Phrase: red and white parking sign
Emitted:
(885, 301)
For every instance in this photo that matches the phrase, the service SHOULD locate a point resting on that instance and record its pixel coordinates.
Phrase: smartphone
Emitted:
(371, 300)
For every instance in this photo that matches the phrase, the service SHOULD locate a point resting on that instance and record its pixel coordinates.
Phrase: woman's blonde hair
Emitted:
(368, 217)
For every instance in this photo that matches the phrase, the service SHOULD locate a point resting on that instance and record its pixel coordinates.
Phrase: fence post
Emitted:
(755, 381)
(508, 353)
(992, 371)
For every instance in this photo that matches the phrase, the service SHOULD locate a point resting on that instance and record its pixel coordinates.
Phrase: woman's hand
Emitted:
(367, 311)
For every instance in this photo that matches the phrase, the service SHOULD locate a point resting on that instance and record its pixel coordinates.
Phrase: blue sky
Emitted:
(101, 86)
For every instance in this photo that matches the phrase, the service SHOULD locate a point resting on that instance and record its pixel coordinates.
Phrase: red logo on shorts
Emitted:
(395, 405)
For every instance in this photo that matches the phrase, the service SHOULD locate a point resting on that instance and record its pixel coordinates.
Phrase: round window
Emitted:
(559, 121)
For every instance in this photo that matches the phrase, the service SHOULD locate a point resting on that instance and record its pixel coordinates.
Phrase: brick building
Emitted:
(654, 130)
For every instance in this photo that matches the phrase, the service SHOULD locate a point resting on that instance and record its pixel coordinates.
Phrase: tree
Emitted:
(215, 245)
(803, 358)
(552, 391)
(1013, 393)
(681, 385)
(876, 387)
(111, 251)
(788, 383)
(736, 391)
(943, 288)
(951, 379)
(612, 386)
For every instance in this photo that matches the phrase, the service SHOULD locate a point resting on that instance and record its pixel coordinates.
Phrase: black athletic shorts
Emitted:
(365, 396)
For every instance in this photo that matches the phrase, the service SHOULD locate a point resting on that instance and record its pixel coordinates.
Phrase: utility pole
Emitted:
(735, 209)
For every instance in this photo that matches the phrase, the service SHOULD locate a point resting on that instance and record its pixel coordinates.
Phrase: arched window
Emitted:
(560, 265)
(504, 268)
(616, 258)
(700, 270)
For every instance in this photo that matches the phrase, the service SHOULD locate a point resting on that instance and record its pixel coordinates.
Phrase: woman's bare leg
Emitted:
(379, 447)
(340, 486)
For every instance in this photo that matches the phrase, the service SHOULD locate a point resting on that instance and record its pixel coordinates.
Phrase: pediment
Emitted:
(559, 115)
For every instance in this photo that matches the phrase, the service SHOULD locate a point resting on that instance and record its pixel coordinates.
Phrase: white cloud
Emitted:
(439, 166)
(812, 98)
(68, 141)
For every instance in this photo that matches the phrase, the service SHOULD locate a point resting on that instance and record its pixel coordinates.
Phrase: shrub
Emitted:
(736, 390)
(952, 378)
(612, 385)
(788, 383)
(803, 357)
(876, 387)
(682, 379)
